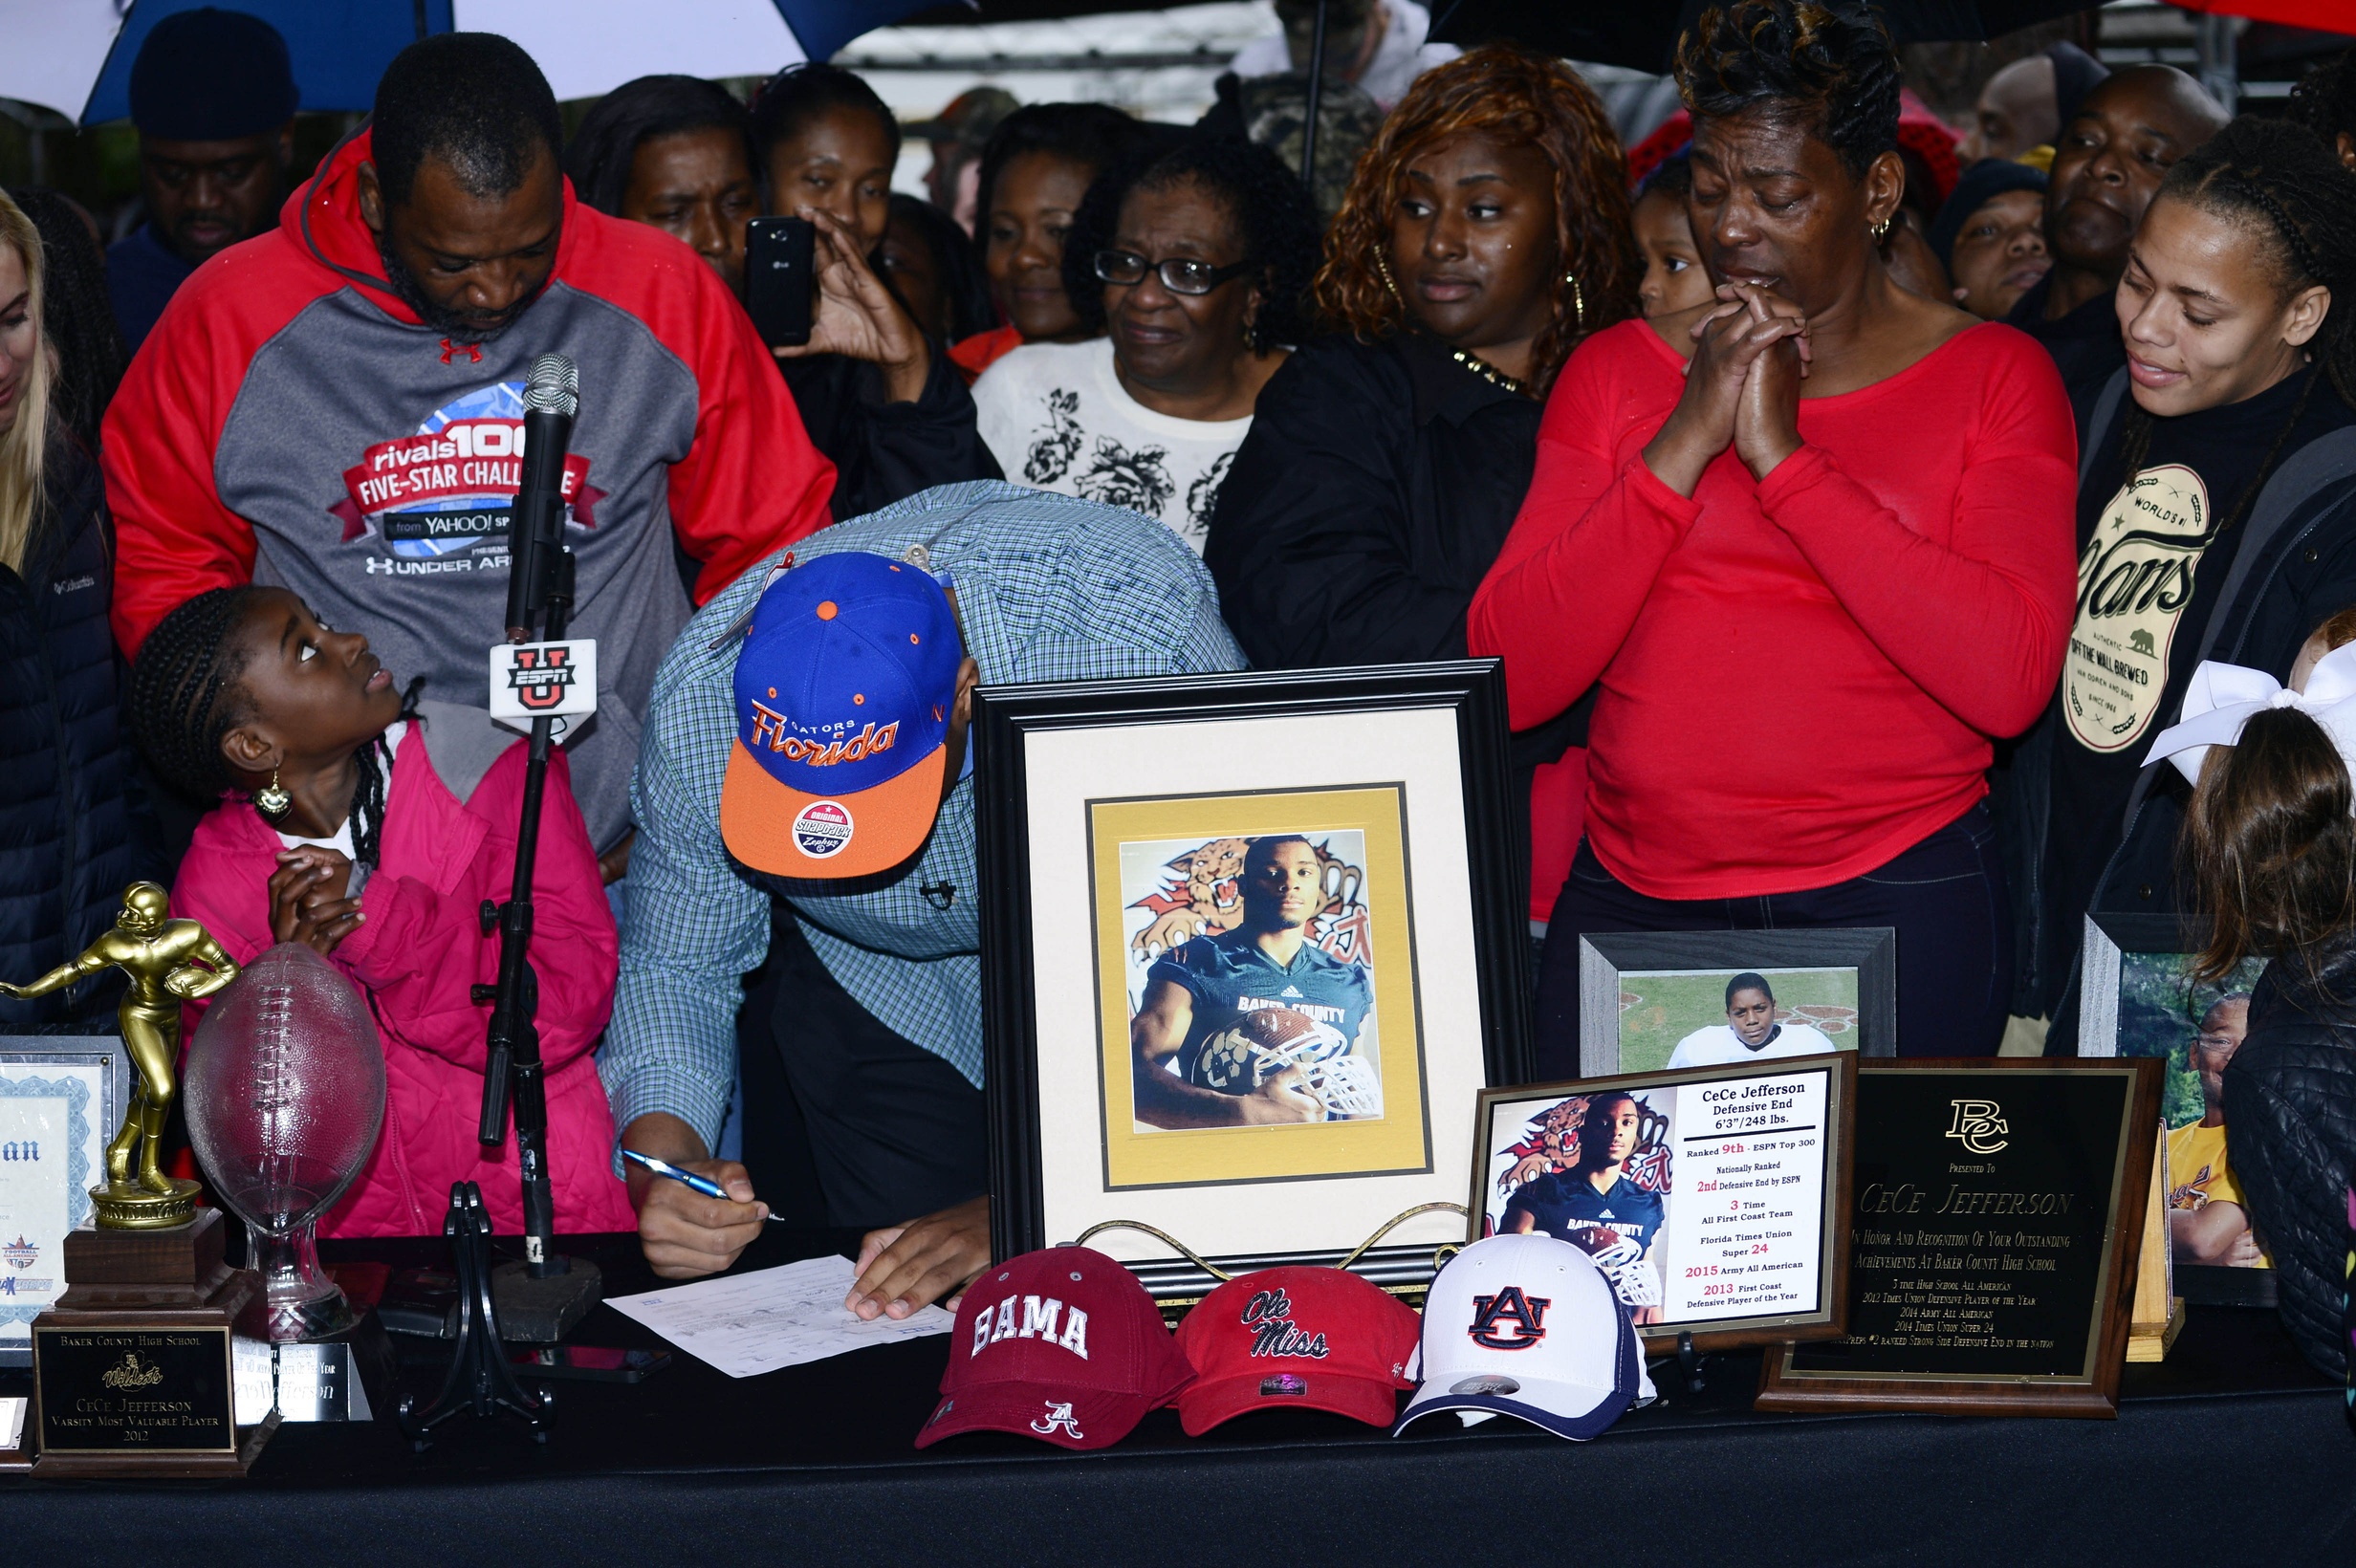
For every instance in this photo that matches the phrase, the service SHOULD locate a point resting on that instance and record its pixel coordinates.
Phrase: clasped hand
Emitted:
(308, 897)
(857, 316)
(1742, 388)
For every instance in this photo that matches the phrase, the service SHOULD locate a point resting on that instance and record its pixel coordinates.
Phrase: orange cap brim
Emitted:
(889, 822)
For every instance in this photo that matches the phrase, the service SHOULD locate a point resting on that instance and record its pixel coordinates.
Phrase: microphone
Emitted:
(535, 527)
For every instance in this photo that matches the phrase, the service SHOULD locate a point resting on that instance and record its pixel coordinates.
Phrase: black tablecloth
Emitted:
(2231, 1451)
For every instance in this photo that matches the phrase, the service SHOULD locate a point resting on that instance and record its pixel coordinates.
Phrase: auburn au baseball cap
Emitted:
(844, 682)
(1061, 1343)
(1295, 1338)
(1527, 1326)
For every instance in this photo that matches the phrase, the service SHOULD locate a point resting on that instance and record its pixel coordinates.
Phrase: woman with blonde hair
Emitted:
(1484, 235)
(73, 830)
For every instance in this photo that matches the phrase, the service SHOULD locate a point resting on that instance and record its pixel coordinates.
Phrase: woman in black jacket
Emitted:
(73, 832)
(1484, 234)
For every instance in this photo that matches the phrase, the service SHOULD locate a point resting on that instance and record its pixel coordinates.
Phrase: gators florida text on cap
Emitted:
(843, 688)
(1061, 1343)
(1527, 1326)
(1295, 1338)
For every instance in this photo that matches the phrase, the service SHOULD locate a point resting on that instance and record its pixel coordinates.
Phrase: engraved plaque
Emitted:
(125, 1390)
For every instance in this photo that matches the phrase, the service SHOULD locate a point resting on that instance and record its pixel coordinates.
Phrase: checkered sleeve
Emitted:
(694, 925)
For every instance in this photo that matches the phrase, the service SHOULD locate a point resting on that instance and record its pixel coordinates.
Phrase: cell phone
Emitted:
(781, 280)
(597, 1363)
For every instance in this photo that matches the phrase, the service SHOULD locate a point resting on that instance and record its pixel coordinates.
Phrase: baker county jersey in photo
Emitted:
(1227, 975)
(1560, 1202)
(292, 422)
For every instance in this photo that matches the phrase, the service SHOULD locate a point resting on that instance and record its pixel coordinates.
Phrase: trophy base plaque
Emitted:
(132, 1371)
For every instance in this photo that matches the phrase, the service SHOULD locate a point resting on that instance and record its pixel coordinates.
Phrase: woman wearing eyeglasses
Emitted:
(1196, 266)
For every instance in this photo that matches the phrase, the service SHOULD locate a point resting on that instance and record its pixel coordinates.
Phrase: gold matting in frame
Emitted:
(1399, 1141)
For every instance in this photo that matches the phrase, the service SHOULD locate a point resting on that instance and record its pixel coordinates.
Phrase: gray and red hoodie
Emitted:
(291, 422)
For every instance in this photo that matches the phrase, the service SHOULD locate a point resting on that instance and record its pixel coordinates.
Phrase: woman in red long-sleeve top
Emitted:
(1813, 571)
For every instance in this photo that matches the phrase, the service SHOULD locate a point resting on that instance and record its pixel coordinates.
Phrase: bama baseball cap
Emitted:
(1061, 1343)
(1295, 1338)
(1527, 1326)
(843, 685)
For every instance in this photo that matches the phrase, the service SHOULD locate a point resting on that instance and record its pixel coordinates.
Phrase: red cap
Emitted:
(1061, 1343)
(1297, 1339)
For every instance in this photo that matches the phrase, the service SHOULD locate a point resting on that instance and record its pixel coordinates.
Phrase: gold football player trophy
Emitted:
(170, 962)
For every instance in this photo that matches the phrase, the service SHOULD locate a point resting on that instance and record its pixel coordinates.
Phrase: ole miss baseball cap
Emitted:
(844, 686)
(1295, 1338)
(1527, 1326)
(1061, 1343)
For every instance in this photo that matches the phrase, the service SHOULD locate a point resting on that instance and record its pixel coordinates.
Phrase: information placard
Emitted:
(1997, 1210)
(60, 1098)
(1715, 1198)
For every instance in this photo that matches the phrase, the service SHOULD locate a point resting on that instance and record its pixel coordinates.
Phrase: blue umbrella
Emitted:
(340, 48)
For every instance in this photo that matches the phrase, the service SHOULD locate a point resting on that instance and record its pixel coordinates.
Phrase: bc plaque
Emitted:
(1998, 1206)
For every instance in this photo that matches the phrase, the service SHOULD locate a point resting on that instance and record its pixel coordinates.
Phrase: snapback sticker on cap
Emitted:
(822, 828)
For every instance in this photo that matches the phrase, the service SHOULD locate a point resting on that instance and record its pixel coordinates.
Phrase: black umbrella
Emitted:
(1643, 35)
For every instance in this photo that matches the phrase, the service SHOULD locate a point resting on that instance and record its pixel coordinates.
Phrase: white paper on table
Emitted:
(11, 1422)
(750, 1323)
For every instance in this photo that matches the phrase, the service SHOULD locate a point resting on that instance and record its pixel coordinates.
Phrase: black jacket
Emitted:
(1377, 486)
(887, 451)
(2290, 1131)
(74, 829)
(2295, 565)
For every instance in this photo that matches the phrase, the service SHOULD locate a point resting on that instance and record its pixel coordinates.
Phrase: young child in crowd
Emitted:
(1674, 280)
(373, 827)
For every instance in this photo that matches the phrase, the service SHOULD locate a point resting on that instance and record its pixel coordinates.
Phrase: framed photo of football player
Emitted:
(1250, 948)
(1652, 1001)
(1715, 1199)
(2138, 998)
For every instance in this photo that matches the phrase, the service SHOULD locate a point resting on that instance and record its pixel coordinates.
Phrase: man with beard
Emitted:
(2106, 167)
(338, 407)
(213, 98)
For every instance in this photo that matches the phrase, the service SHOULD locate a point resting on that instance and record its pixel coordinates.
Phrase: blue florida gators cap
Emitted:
(843, 685)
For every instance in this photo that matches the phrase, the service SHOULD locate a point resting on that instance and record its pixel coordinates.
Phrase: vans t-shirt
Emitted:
(1057, 418)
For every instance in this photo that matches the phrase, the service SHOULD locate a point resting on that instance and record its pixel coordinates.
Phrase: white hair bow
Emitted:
(2221, 698)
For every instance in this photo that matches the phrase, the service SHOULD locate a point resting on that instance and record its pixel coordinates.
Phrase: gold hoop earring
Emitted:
(1382, 267)
(1579, 302)
(272, 800)
(1881, 233)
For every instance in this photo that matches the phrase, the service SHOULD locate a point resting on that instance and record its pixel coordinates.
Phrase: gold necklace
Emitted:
(1488, 372)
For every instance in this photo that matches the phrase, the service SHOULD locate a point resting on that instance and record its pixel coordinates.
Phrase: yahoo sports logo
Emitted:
(822, 828)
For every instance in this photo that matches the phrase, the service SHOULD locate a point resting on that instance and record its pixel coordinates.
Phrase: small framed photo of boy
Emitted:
(2137, 997)
(1657, 1001)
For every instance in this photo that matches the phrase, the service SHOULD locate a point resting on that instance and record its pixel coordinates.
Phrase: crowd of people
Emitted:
(1853, 505)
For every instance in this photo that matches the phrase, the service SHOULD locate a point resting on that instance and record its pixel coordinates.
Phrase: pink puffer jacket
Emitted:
(415, 958)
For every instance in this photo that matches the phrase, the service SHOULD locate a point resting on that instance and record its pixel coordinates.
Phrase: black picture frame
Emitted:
(2108, 938)
(1472, 691)
(1603, 956)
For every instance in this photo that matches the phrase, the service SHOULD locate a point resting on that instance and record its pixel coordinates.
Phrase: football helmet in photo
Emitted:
(1262, 1043)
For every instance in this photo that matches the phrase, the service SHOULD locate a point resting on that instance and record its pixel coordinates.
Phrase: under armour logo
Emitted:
(1058, 1415)
(1526, 1313)
(449, 348)
(1975, 1125)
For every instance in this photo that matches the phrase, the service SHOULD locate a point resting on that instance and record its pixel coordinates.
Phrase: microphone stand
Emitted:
(542, 1298)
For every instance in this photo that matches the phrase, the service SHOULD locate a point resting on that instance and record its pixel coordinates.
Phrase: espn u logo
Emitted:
(540, 676)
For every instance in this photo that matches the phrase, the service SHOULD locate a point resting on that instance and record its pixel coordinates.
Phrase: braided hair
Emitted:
(187, 694)
(2277, 183)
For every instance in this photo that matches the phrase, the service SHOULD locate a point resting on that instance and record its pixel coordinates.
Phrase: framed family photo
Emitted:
(1250, 951)
(2137, 997)
(1715, 1199)
(1657, 1001)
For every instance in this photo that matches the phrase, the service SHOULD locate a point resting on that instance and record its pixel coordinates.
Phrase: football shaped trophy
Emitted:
(286, 1096)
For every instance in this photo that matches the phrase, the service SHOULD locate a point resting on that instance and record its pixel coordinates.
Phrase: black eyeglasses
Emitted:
(1179, 275)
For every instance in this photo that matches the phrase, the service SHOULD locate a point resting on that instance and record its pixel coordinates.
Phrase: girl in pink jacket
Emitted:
(373, 828)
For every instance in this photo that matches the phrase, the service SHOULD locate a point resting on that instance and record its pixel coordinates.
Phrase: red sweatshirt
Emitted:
(1799, 676)
(290, 421)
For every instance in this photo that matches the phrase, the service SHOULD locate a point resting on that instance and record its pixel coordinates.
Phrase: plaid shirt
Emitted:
(1049, 588)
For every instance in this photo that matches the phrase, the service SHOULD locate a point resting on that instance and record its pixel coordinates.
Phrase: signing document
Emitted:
(750, 1323)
